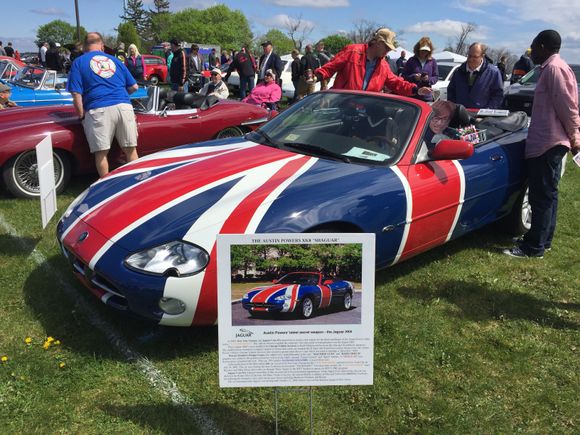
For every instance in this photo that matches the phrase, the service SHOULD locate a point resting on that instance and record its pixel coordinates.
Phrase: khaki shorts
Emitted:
(104, 123)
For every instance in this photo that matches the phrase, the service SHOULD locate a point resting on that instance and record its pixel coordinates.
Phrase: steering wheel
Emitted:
(385, 144)
(138, 104)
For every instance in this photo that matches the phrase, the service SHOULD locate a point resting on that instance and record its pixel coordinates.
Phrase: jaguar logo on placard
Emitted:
(244, 333)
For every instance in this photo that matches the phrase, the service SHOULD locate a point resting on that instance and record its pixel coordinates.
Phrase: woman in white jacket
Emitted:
(215, 86)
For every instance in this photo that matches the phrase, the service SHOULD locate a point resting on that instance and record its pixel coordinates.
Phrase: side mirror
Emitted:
(163, 113)
(275, 281)
(452, 149)
(59, 86)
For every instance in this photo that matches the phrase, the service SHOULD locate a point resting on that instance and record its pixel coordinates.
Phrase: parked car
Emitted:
(38, 86)
(287, 85)
(164, 119)
(143, 239)
(520, 95)
(9, 67)
(299, 293)
(446, 70)
(155, 70)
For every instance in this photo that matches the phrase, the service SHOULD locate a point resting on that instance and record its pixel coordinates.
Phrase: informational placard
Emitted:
(295, 309)
(46, 180)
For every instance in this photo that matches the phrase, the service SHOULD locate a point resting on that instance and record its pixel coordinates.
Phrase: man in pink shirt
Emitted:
(553, 132)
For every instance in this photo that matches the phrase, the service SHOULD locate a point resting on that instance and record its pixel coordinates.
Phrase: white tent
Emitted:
(449, 56)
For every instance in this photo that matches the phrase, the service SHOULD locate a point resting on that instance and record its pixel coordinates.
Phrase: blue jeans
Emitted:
(543, 178)
(246, 81)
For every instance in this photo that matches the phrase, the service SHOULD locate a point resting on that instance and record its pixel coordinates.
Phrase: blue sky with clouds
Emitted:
(501, 23)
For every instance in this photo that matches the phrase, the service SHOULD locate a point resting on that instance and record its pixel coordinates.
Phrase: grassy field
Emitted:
(466, 341)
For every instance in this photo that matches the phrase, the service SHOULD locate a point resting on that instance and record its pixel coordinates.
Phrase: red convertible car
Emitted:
(165, 119)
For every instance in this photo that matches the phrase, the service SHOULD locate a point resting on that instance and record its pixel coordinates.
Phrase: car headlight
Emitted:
(76, 202)
(176, 258)
(282, 298)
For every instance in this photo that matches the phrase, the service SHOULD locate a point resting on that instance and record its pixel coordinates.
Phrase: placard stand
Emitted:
(276, 392)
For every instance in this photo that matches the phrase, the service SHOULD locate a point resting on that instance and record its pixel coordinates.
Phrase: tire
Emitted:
(154, 80)
(519, 220)
(20, 174)
(306, 308)
(230, 132)
(347, 301)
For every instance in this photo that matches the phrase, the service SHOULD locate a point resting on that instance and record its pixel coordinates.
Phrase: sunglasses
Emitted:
(214, 74)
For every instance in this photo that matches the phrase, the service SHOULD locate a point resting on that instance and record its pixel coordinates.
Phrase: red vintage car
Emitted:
(165, 119)
(154, 68)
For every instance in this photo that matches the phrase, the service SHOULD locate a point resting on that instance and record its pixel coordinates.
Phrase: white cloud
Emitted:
(50, 11)
(311, 3)
(445, 28)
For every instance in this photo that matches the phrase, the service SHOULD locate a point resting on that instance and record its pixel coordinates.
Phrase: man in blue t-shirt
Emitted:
(100, 85)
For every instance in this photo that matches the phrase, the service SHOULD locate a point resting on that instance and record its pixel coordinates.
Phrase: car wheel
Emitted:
(20, 174)
(347, 301)
(306, 308)
(154, 80)
(230, 132)
(519, 221)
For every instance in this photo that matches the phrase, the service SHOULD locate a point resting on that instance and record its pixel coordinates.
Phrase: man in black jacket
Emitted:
(245, 65)
(310, 62)
(270, 60)
(178, 69)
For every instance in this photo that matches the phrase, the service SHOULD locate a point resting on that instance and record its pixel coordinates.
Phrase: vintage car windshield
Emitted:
(29, 77)
(299, 278)
(361, 128)
(7, 70)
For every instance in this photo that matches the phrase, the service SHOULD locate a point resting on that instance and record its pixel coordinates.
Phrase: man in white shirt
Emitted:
(43, 51)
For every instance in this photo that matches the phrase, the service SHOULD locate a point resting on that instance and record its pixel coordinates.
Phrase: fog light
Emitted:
(171, 305)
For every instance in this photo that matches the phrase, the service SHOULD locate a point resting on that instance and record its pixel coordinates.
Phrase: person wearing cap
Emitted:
(421, 69)
(5, 92)
(178, 68)
(266, 93)
(553, 131)
(476, 84)
(269, 60)
(363, 67)
(215, 86)
(53, 58)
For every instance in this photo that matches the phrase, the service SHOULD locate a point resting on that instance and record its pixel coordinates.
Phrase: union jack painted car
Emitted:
(143, 238)
(301, 293)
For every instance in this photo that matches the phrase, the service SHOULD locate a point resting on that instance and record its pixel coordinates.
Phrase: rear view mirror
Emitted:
(452, 149)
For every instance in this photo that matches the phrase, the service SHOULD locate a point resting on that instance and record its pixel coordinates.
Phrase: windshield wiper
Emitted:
(315, 149)
(267, 138)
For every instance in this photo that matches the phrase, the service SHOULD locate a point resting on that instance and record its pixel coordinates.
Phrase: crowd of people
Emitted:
(101, 83)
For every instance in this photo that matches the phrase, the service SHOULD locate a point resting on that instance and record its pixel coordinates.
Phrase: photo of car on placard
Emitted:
(301, 294)
(143, 239)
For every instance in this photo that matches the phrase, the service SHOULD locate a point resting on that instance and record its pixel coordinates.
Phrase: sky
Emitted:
(510, 24)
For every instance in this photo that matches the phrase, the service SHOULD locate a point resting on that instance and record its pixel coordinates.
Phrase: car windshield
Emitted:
(29, 77)
(358, 128)
(299, 278)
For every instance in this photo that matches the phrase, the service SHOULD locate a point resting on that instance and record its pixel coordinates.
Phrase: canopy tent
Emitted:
(449, 56)
(396, 53)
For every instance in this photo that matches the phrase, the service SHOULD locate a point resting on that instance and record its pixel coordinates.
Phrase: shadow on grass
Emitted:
(168, 418)
(479, 303)
(17, 246)
(65, 308)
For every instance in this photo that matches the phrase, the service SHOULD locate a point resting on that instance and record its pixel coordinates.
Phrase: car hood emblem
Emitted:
(83, 236)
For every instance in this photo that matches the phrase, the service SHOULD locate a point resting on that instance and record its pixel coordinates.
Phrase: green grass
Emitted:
(466, 341)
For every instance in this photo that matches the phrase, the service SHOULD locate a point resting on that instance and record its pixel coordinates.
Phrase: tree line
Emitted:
(273, 261)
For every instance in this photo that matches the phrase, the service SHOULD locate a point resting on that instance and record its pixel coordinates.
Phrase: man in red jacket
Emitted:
(363, 67)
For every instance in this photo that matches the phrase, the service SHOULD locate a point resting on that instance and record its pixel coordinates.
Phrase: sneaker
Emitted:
(520, 240)
(517, 252)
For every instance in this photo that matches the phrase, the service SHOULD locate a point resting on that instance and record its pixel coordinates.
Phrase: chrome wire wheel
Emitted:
(230, 132)
(24, 174)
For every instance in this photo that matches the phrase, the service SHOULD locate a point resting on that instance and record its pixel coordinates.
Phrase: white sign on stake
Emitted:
(46, 180)
(299, 327)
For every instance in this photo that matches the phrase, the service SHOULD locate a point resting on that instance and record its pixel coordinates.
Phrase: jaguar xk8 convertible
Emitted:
(143, 239)
(300, 293)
